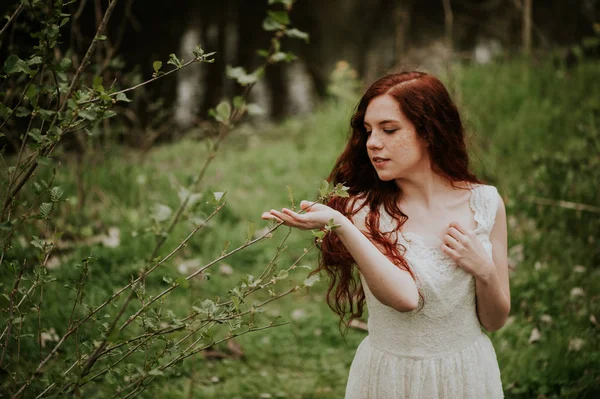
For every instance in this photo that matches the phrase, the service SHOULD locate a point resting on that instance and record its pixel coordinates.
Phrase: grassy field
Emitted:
(534, 133)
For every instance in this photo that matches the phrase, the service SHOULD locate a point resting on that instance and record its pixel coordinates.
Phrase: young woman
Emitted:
(428, 240)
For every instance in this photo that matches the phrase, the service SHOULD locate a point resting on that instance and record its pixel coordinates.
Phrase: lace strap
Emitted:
(484, 202)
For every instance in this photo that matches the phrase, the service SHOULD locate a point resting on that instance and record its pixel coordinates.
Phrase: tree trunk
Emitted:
(448, 24)
(527, 25)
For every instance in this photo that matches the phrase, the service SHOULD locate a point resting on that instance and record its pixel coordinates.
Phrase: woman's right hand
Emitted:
(317, 216)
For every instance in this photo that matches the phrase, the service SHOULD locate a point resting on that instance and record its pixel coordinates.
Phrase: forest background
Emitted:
(141, 141)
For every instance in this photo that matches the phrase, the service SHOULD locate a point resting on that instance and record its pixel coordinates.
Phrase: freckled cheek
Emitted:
(407, 150)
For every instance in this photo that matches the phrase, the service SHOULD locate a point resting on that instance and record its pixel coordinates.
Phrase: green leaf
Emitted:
(324, 190)
(255, 110)
(56, 193)
(155, 372)
(291, 197)
(157, 65)
(263, 53)
(182, 282)
(280, 17)
(101, 37)
(173, 60)
(283, 274)
(14, 64)
(88, 114)
(297, 34)
(36, 60)
(341, 191)
(65, 63)
(223, 112)
(238, 101)
(38, 243)
(219, 196)
(45, 209)
(22, 112)
(281, 56)
(97, 83)
(161, 212)
(270, 25)
(123, 97)
(198, 52)
(318, 233)
(45, 161)
(250, 231)
(167, 280)
(241, 76)
(310, 281)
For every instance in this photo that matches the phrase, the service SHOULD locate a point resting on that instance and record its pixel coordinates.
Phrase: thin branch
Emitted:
(11, 311)
(88, 54)
(197, 272)
(12, 18)
(563, 204)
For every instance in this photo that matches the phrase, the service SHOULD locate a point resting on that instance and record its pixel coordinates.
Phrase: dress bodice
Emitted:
(446, 320)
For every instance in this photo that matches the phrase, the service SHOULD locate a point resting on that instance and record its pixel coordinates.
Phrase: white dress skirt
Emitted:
(439, 350)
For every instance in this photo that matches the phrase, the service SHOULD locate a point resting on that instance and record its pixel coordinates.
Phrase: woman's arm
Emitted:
(492, 288)
(491, 275)
(392, 286)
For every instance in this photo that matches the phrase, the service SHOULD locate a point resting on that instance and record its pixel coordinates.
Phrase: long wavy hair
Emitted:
(424, 100)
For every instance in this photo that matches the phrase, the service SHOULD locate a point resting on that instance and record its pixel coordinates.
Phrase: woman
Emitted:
(428, 239)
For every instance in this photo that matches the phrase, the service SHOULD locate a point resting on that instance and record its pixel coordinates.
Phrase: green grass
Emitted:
(534, 132)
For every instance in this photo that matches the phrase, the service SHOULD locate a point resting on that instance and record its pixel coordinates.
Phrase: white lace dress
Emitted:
(440, 350)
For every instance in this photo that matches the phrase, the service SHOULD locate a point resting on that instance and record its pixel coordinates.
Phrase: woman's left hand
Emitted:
(466, 250)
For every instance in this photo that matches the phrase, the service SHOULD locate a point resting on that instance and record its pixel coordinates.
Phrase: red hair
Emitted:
(424, 100)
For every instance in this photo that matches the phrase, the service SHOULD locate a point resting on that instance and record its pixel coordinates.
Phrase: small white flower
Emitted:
(186, 266)
(535, 335)
(225, 269)
(48, 336)
(113, 239)
(575, 344)
(579, 269)
(546, 318)
(577, 291)
(539, 266)
(298, 314)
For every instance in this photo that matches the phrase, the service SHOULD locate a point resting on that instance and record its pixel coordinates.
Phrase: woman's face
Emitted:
(393, 145)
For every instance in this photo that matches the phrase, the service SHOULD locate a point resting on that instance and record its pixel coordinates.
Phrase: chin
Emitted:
(386, 177)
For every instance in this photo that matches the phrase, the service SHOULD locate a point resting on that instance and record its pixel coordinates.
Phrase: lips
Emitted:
(378, 161)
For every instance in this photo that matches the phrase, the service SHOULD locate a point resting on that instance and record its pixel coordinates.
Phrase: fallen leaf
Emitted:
(225, 269)
(575, 344)
(535, 335)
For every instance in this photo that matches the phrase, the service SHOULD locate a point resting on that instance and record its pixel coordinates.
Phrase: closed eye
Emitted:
(389, 130)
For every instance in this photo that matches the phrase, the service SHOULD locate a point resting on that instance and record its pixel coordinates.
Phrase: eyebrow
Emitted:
(383, 122)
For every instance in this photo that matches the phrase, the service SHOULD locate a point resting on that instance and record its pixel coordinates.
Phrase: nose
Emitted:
(374, 141)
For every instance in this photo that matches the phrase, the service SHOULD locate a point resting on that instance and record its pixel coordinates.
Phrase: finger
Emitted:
(288, 220)
(306, 205)
(456, 234)
(268, 216)
(451, 241)
(449, 251)
(459, 226)
(292, 214)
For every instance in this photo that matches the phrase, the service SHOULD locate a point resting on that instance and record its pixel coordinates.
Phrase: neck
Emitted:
(423, 187)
